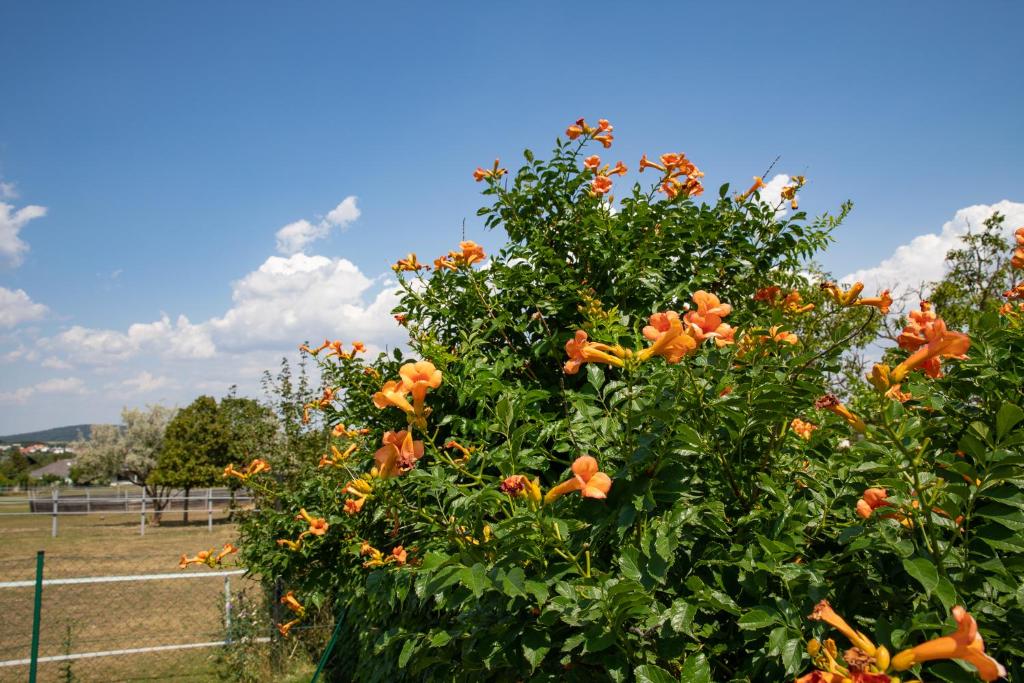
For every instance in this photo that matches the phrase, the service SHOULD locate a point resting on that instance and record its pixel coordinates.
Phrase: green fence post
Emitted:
(36, 613)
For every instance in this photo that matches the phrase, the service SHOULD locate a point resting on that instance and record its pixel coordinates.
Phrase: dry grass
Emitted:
(97, 617)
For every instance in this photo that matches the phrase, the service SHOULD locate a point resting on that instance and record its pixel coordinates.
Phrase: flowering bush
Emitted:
(616, 453)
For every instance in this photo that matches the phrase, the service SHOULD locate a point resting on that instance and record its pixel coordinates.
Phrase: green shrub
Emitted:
(723, 526)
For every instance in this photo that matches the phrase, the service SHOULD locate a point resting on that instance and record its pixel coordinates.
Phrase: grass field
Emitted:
(110, 616)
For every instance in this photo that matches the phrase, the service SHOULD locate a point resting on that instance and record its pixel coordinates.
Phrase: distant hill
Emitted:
(63, 434)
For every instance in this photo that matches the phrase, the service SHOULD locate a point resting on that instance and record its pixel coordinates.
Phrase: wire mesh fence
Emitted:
(158, 628)
(171, 626)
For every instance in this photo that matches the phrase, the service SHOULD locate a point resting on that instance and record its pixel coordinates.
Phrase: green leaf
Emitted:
(440, 639)
(681, 616)
(757, 619)
(650, 673)
(406, 653)
(475, 578)
(1007, 417)
(696, 670)
(924, 571)
(536, 644)
(513, 583)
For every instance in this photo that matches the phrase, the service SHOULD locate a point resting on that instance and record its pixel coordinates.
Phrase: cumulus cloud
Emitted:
(61, 385)
(144, 383)
(301, 297)
(163, 338)
(294, 237)
(283, 302)
(922, 259)
(55, 363)
(16, 307)
(12, 247)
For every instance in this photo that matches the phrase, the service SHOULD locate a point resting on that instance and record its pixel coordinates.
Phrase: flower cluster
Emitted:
(1015, 293)
(602, 133)
(680, 176)
(671, 337)
(602, 182)
(289, 601)
(398, 556)
(852, 297)
(789, 191)
(792, 303)
(318, 526)
(336, 458)
(336, 348)
(255, 467)
(325, 400)
(469, 253)
(866, 662)
(492, 173)
(211, 558)
(927, 336)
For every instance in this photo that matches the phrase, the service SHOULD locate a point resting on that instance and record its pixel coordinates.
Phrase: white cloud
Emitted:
(55, 363)
(145, 382)
(288, 300)
(771, 193)
(922, 260)
(344, 213)
(293, 238)
(21, 353)
(181, 339)
(16, 307)
(8, 191)
(282, 303)
(61, 385)
(12, 247)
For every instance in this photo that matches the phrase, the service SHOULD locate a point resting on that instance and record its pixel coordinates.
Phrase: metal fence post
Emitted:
(36, 614)
(209, 510)
(227, 608)
(142, 515)
(53, 526)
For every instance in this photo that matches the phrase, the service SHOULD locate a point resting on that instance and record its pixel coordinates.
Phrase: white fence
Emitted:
(13, 594)
(56, 502)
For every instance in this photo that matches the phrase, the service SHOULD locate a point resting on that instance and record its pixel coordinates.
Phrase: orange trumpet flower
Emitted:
(398, 454)
(581, 351)
(393, 394)
(823, 612)
(587, 480)
(289, 601)
(939, 343)
(882, 302)
(408, 264)
(202, 557)
(830, 403)
(671, 340)
(318, 526)
(847, 298)
(758, 184)
(491, 173)
(965, 643)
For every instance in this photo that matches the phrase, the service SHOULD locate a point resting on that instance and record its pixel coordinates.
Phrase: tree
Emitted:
(129, 451)
(978, 273)
(195, 448)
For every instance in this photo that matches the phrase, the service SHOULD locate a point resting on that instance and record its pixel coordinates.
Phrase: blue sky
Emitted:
(168, 143)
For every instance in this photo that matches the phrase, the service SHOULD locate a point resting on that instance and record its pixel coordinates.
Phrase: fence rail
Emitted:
(106, 630)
